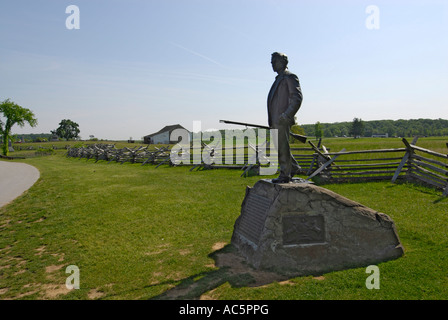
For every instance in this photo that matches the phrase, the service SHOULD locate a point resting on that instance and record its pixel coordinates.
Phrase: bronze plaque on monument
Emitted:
(252, 222)
(303, 229)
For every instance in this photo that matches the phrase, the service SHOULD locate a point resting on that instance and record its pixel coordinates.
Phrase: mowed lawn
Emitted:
(135, 232)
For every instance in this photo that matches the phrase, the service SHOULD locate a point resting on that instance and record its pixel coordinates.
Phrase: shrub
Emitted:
(44, 151)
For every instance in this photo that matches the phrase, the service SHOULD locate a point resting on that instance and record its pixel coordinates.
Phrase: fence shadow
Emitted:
(232, 268)
(440, 199)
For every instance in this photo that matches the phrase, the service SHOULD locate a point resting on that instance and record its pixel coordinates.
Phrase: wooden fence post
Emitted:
(406, 157)
(316, 155)
(445, 192)
(325, 165)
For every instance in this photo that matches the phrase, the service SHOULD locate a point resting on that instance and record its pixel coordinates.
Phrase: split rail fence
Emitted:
(410, 162)
(109, 153)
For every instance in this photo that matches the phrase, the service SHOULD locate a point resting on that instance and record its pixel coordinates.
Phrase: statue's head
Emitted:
(279, 61)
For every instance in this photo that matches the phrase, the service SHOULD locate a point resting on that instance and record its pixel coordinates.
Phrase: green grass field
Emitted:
(137, 232)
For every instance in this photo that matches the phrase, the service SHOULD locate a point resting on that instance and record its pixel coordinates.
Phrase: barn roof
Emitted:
(167, 128)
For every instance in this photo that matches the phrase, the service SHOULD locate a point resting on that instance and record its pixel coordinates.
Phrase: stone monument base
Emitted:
(301, 229)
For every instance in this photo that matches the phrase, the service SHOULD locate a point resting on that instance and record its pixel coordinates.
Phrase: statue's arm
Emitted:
(295, 96)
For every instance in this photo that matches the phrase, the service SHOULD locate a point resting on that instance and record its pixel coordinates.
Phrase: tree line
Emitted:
(391, 128)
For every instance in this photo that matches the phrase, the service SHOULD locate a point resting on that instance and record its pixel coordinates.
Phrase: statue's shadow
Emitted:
(232, 268)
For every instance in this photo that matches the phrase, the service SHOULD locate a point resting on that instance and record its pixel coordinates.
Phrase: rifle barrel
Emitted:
(244, 124)
(295, 135)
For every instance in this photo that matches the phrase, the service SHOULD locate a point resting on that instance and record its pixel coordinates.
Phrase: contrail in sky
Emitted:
(196, 54)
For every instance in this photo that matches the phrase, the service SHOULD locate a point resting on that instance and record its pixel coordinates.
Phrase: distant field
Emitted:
(137, 232)
(437, 144)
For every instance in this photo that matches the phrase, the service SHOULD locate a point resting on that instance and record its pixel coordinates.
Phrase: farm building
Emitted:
(163, 136)
(386, 135)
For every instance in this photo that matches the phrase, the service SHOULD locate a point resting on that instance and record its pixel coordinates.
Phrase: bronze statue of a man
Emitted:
(284, 100)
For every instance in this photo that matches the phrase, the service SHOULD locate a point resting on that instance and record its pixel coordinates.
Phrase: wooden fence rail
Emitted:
(432, 168)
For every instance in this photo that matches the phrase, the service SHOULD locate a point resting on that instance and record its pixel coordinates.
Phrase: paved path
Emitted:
(15, 178)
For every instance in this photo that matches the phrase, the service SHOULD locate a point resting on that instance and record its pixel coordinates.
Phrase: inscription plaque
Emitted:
(253, 217)
(301, 229)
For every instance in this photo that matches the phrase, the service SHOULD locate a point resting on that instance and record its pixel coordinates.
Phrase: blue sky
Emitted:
(135, 66)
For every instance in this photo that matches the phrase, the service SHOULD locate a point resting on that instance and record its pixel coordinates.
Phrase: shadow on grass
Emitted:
(232, 268)
(426, 189)
(440, 199)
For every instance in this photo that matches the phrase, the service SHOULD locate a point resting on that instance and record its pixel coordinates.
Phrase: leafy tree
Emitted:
(357, 128)
(318, 130)
(14, 114)
(67, 130)
(298, 130)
